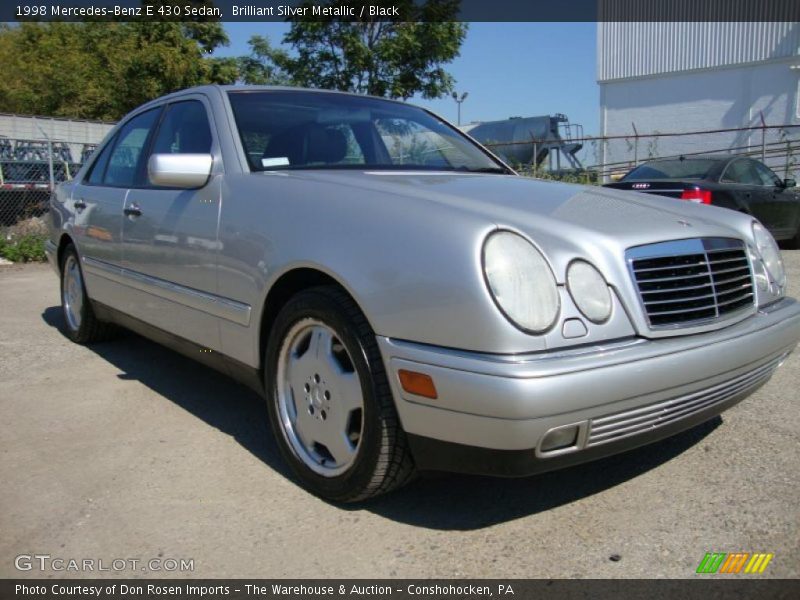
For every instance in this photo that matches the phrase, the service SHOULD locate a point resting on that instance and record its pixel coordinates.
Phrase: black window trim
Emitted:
(114, 141)
(95, 158)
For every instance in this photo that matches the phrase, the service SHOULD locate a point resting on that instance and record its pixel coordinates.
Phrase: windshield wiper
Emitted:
(464, 169)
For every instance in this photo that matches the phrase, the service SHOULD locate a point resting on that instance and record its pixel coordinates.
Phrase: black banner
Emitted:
(402, 10)
(706, 588)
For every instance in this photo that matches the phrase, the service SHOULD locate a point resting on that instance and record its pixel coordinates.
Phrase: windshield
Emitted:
(690, 168)
(311, 130)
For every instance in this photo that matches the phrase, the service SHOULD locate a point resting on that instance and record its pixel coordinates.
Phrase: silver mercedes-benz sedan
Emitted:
(403, 299)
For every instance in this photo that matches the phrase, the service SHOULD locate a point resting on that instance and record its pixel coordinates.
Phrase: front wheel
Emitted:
(329, 401)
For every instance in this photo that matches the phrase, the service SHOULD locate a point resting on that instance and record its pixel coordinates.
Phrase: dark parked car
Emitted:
(737, 182)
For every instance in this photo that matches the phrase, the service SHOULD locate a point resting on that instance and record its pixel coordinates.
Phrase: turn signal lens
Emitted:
(417, 383)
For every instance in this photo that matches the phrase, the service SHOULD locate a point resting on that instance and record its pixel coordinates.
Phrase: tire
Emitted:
(321, 356)
(82, 326)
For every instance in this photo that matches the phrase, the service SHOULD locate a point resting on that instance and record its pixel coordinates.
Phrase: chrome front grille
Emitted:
(632, 422)
(688, 282)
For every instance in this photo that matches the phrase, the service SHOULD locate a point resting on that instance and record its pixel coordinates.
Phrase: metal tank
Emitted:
(517, 139)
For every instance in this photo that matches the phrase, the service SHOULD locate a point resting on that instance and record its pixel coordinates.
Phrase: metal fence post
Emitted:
(49, 158)
(763, 138)
(788, 158)
(50, 164)
(635, 145)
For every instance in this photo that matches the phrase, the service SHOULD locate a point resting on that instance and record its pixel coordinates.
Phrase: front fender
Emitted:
(413, 267)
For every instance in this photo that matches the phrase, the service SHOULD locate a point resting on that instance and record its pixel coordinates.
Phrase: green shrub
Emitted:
(581, 177)
(24, 241)
(25, 248)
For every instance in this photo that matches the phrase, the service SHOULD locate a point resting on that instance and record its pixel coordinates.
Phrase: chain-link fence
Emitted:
(610, 157)
(29, 169)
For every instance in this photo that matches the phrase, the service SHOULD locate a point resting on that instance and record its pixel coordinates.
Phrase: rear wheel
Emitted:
(83, 326)
(329, 401)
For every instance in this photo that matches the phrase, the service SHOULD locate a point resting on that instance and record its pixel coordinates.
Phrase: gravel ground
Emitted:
(127, 450)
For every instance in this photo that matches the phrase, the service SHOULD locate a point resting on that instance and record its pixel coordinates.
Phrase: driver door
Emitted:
(169, 235)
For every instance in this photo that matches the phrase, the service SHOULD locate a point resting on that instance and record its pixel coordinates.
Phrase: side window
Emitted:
(98, 169)
(742, 172)
(184, 130)
(125, 157)
(766, 176)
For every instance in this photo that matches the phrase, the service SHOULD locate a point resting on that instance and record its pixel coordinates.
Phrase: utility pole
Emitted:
(459, 101)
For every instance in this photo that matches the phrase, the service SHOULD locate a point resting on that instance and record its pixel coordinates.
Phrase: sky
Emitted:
(508, 69)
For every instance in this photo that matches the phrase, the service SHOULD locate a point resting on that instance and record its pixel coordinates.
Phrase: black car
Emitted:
(737, 182)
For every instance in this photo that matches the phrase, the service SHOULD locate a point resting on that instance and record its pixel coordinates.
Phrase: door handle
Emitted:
(80, 204)
(133, 210)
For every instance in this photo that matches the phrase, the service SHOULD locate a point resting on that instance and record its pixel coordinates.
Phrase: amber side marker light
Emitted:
(417, 383)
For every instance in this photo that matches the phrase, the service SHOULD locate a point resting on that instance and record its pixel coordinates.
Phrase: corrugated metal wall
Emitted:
(626, 50)
(65, 130)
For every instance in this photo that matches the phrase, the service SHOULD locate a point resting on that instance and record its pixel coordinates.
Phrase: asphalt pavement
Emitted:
(128, 451)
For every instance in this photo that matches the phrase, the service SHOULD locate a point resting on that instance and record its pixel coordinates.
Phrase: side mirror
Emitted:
(185, 171)
(787, 183)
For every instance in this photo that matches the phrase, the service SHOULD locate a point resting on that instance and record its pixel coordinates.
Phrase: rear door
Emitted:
(98, 202)
(784, 205)
(743, 182)
(169, 235)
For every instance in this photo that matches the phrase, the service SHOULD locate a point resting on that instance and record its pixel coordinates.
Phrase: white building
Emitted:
(682, 77)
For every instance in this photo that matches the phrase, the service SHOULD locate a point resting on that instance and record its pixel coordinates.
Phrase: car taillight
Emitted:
(697, 195)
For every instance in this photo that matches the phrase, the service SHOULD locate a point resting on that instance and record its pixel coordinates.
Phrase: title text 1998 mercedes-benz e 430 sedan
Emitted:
(401, 297)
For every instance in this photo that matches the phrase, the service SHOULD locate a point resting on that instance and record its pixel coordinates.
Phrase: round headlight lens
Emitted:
(520, 281)
(589, 290)
(770, 254)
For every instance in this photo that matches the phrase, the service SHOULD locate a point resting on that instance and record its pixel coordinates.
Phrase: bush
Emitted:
(582, 177)
(24, 242)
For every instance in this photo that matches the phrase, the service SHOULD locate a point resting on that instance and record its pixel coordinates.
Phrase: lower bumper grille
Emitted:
(611, 428)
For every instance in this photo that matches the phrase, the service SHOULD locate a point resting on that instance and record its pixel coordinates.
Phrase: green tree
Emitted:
(102, 70)
(386, 57)
(265, 64)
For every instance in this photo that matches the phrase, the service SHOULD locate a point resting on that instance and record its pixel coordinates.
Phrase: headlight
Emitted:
(520, 281)
(770, 254)
(589, 290)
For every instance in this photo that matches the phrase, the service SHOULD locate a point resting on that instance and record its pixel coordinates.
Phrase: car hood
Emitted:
(587, 219)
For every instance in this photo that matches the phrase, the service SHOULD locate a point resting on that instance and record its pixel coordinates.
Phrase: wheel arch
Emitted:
(283, 289)
(64, 241)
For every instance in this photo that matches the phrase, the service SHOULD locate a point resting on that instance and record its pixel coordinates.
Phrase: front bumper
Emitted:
(493, 411)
